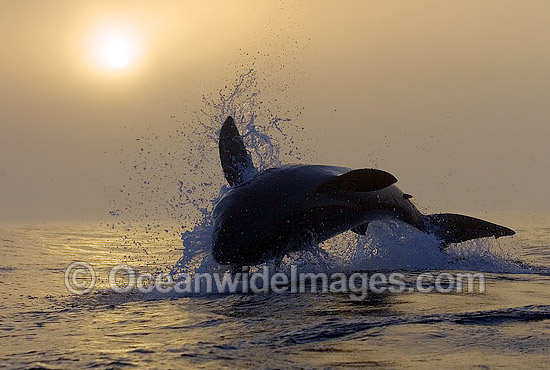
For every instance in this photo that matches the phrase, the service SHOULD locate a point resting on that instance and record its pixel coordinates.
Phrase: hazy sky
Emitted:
(452, 97)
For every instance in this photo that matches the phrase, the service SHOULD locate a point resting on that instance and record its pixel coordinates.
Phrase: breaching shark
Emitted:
(268, 214)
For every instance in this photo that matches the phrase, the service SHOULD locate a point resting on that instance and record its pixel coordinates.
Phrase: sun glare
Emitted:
(115, 47)
(117, 54)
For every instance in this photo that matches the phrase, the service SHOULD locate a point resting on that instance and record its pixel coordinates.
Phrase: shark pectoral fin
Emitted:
(453, 228)
(361, 229)
(236, 161)
(363, 180)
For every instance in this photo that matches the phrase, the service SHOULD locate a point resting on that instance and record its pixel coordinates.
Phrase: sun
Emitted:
(115, 47)
(117, 54)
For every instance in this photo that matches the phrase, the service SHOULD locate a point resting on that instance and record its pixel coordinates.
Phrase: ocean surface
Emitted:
(44, 325)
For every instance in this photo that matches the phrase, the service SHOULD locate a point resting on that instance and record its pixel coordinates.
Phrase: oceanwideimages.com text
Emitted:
(81, 278)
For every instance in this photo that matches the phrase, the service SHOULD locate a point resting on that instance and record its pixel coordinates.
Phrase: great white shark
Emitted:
(268, 214)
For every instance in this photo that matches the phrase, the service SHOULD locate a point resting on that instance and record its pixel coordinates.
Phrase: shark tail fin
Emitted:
(236, 161)
(452, 228)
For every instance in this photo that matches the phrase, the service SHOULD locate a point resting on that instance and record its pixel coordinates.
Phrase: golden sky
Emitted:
(449, 96)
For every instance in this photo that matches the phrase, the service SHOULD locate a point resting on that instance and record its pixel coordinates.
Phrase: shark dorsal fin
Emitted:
(363, 180)
(236, 161)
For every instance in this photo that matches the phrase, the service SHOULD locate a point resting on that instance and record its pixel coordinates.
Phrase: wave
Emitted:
(335, 328)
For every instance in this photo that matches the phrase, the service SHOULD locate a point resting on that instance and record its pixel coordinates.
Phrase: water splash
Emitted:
(240, 102)
(263, 143)
(389, 245)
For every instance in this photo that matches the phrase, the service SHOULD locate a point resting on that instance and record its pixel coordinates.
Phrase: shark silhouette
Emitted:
(268, 214)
